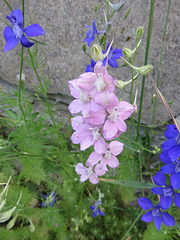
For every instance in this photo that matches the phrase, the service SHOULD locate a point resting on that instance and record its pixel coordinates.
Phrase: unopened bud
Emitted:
(154, 152)
(121, 84)
(127, 52)
(144, 70)
(12, 222)
(157, 149)
(96, 53)
(32, 227)
(139, 32)
(135, 101)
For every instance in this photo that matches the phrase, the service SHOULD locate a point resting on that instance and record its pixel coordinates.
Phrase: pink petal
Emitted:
(100, 68)
(74, 89)
(100, 146)
(121, 125)
(97, 117)
(85, 110)
(113, 162)
(86, 81)
(86, 142)
(110, 129)
(102, 98)
(84, 178)
(125, 110)
(94, 106)
(100, 169)
(75, 139)
(80, 169)
(75, 106)
(93, 179)
(113, 102)
(116, 147)
(93, 159)
(76, 121)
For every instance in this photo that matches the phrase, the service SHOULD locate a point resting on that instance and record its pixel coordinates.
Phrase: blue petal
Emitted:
(145, 203)
(160, 179)
(157, 190)
(177, 199)
(174, 152)
(166, 202)
(25, 42)
(34, 30)
(8, 33)
(92, 207)
(42, 204)
(112, 62)
(147, 217)
(168, 169)
(167, 144)
(171, 132)
(11, 43)
(157, 222)
(117, 53)
(94, 214)
(18, 14)
(175, 180)
(167, 219)
(165, 158)
(101, 213)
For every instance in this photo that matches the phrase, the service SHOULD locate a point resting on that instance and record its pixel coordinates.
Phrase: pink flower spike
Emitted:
(86, 173)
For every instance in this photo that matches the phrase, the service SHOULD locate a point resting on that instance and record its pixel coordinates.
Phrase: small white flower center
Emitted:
(89, 171)
(84, 98)
(112, 117)
(17, 31)
(107, 155)
(95, 133)
(100, 84)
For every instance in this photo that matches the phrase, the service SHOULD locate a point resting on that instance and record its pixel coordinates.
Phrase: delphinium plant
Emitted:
(48, 195)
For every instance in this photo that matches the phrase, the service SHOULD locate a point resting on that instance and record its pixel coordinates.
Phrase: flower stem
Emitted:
(9, 6)
(41, 86)
(145, 63)
(160, 65)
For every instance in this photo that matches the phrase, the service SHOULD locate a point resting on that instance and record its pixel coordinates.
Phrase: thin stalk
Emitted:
(8, 5)
(41, 86)
(145, 63)
(107, 21)
(160, 65)
(132, 225)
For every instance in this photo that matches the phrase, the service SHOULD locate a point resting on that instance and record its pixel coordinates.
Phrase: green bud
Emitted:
(144, 70)
(154, 152)
(32, 227)
(139, 32)
(96, 53)
(127, 52)
(4, 216)
(12, 222)
(121, 84)
(84, 47)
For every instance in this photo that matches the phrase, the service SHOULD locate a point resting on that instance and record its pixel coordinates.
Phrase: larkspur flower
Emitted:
(90, 68)
(95, 208)
(50, 200)
(172, 145)
(112, 56)
(12, 35)
(166, 191)
(92, 33)
(157, 214)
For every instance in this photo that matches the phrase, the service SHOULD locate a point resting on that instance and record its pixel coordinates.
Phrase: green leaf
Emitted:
(128, 183)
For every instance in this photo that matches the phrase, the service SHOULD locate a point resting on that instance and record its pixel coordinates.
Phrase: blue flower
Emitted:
(90, 68)
(12, 35)
(96, 210)
(167, 192)
(112, 56)
(92, 33)
(50, 200)
(172, 145)
(155, 214)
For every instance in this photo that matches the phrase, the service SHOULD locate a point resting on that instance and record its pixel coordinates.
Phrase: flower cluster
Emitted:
(102, 120)
(167, 192)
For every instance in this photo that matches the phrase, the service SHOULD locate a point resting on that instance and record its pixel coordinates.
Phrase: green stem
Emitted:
(8, 5)
(107, 16)
(132, 225)
(160, 65)
(145, 63)
(41, 86)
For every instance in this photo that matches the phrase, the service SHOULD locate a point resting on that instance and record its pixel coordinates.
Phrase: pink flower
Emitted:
(87, 135)
(108, 157)
(86, 173)
(83, 101)
(118, 112)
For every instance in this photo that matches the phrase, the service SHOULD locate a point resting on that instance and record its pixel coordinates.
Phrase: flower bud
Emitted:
(144, 70)
(32, 227)
(121, 84)
(139, 32)
(115, 7)
(12, 222)
(96, 53)
(127, 52)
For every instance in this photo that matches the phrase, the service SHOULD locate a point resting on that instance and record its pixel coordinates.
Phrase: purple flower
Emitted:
(172, 145)
(50, 200)
(90, 68)
(174, 170)
(92, 33)
(96, 210)
(12, 35)
(155, 214)
(112, 56)
(166, 191)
